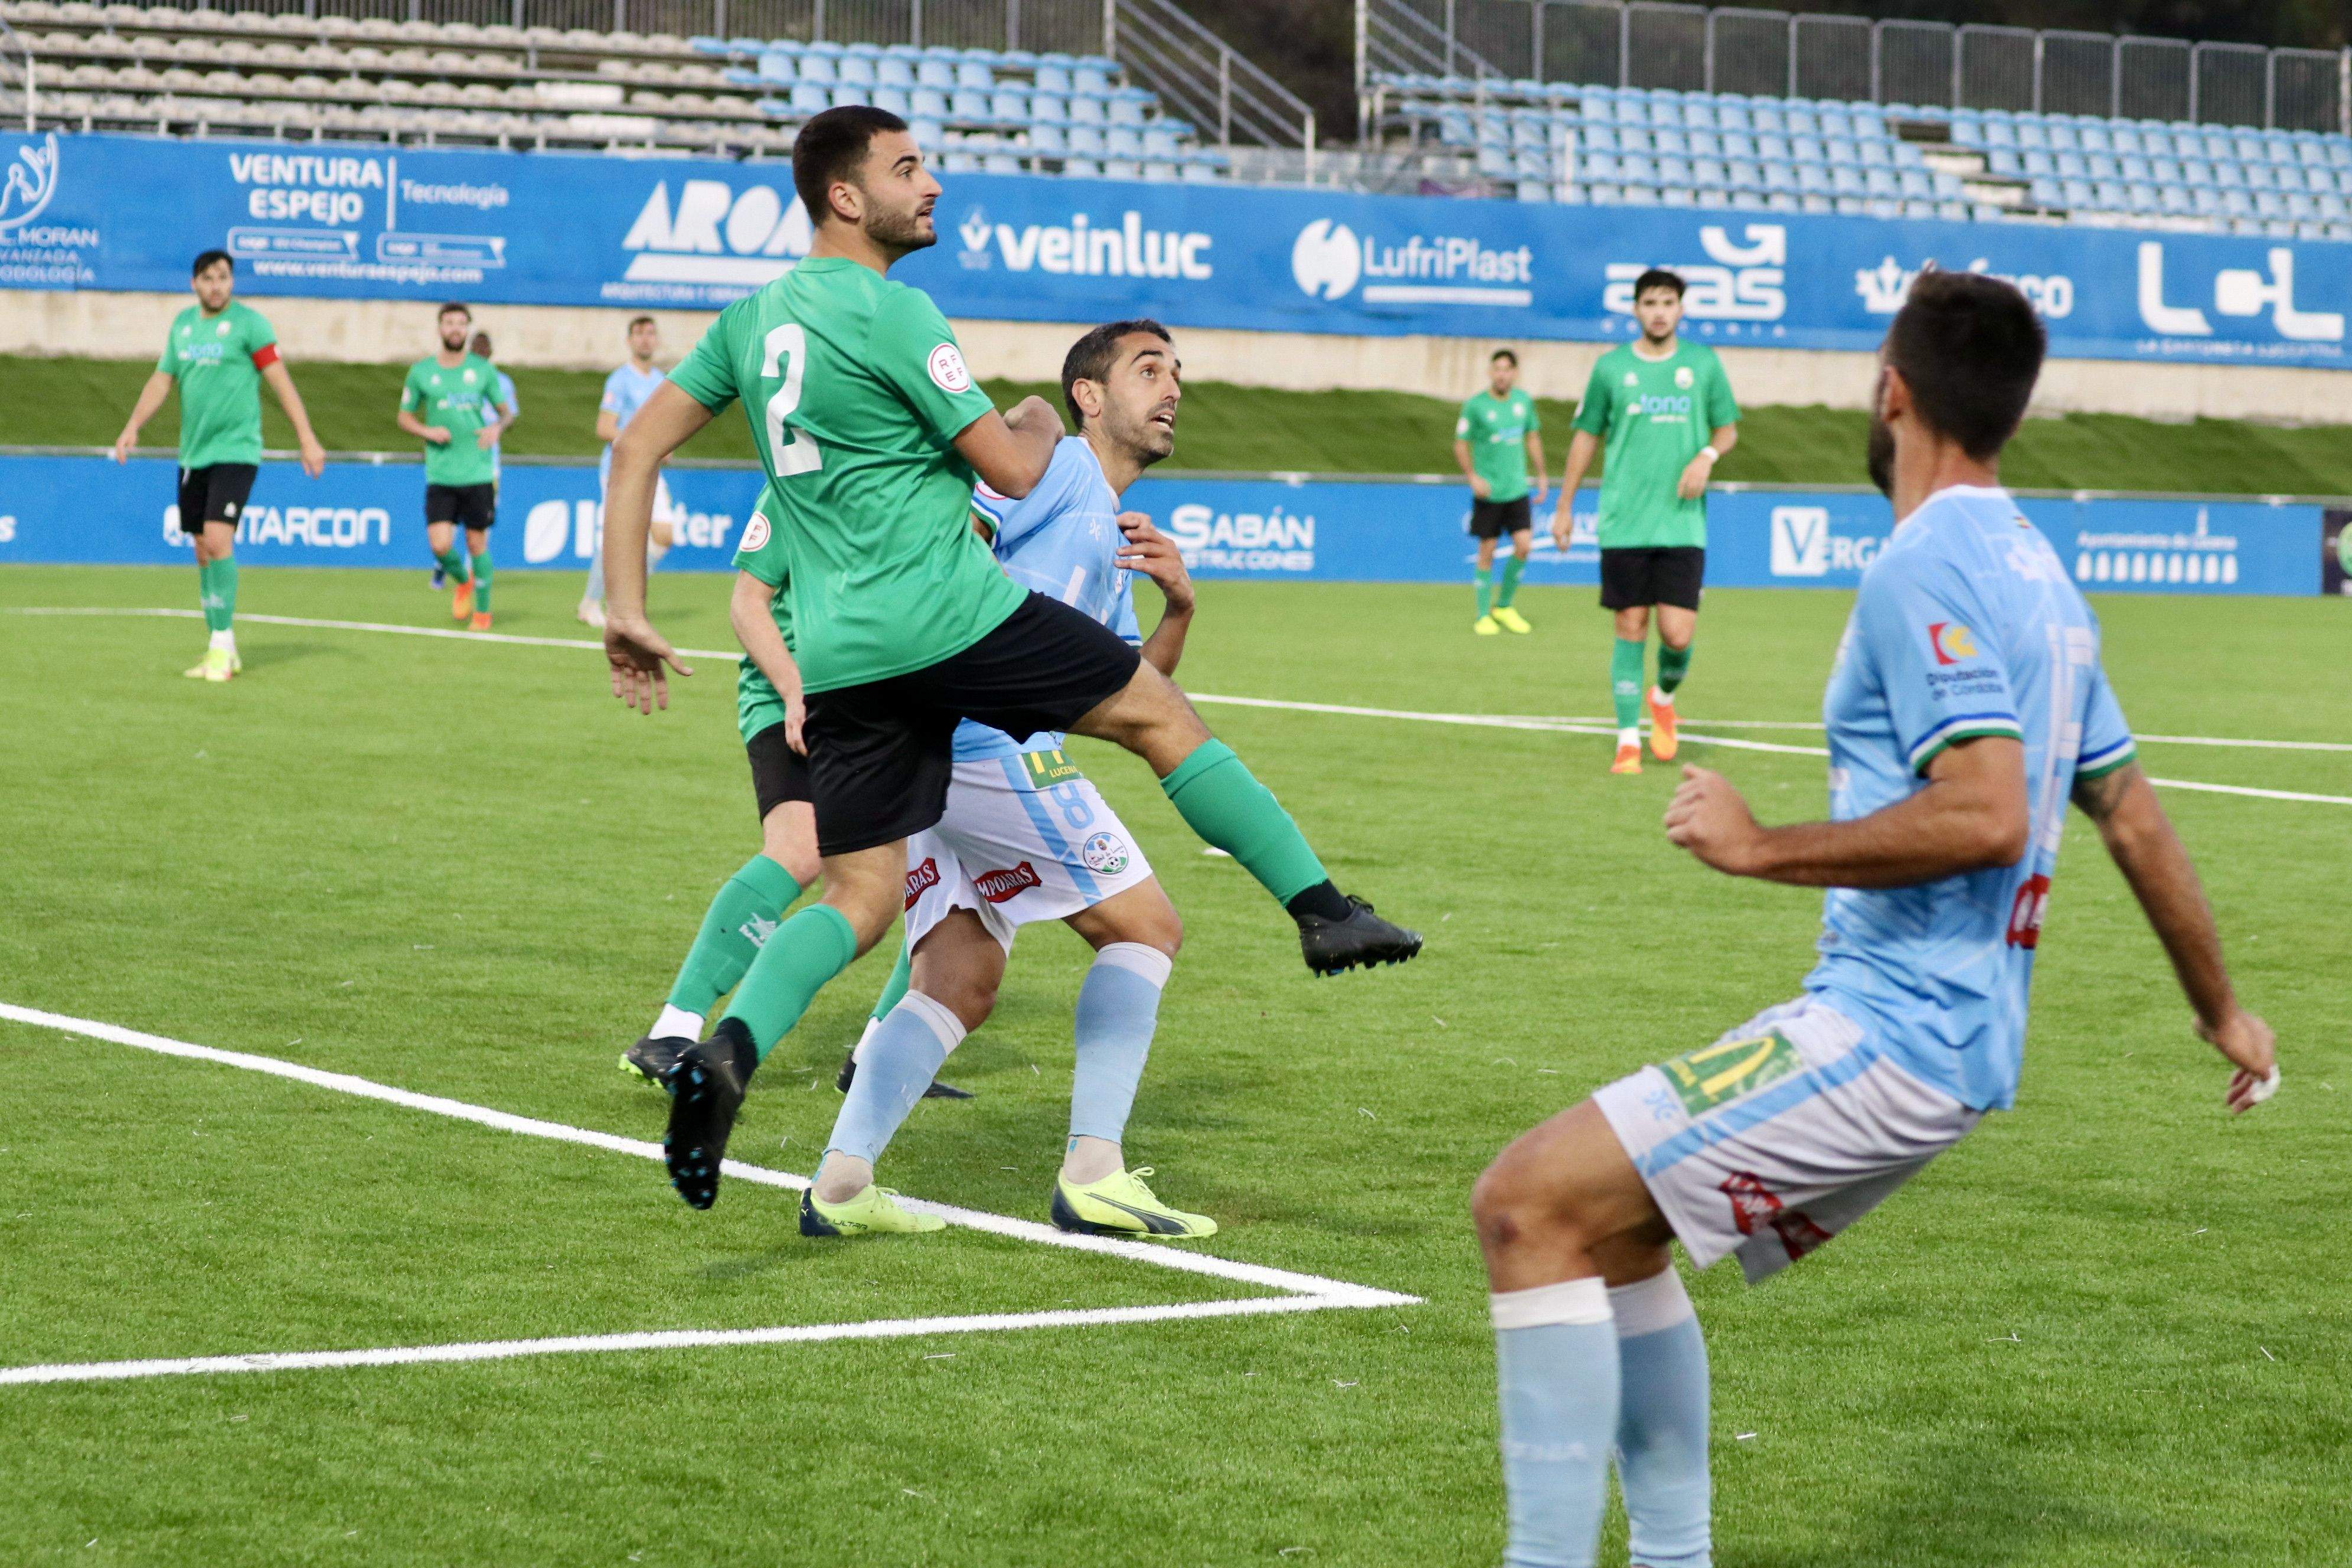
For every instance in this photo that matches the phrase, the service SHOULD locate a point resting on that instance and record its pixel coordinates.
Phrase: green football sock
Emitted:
(895, 987)
(740, 920)
(225, 590)
(205, 599)
(1625, 679)
(1220, 799)
(481, 582)
(452, 562)
(1512, 567)
(807, 949)
(1673, 663)
(1485, 581)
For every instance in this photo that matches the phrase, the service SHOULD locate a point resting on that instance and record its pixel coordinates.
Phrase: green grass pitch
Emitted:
(82, 402)
(2109, 1330)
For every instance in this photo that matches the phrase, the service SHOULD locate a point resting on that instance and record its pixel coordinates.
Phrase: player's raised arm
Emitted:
(314, 456)
(2140, 840)
(1153, 554)
(636, 652)
(1011, 452)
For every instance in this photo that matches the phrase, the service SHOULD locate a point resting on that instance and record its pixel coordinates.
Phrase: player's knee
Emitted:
(1518, 1199)
(970, 997)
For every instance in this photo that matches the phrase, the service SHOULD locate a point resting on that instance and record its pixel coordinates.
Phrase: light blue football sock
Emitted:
(1119, 1008)
(898, 1064)
(1663, 1423)
(1556, 1361)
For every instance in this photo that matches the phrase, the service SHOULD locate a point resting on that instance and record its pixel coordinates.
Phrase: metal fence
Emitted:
(1652, 43)
(1072, 26)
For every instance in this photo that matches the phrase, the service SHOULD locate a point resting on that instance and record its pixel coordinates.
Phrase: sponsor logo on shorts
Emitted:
(921, 881)
(1716, 1075)
(1046, 768)
(1756, 1207)
(1105, 852)
(1952, 641)
(997, 887)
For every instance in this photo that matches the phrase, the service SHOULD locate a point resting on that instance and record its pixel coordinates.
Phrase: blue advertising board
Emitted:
(364, 221)
(87, 509)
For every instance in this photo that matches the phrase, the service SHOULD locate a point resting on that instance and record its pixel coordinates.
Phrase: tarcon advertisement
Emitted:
(56, 508)
(382, 222)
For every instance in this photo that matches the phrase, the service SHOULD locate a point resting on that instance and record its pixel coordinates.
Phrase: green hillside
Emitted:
(71, 402)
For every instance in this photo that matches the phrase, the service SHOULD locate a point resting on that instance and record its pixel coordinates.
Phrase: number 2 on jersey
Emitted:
(792, 451)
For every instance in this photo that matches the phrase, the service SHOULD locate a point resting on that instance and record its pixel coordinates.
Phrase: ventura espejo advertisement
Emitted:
(351, 220)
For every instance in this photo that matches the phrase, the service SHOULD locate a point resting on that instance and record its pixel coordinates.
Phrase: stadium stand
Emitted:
(165, 69)
(1656, 146)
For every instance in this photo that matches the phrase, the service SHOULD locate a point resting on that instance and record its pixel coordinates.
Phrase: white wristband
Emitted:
(1710, 454)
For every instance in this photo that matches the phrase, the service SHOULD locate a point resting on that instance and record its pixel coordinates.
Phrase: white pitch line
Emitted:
(1158, 1255)
(1574, 726)
(665, 1339)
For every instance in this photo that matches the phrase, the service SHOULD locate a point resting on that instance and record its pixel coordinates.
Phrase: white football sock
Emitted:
(1661, 697)
(1630, 736)
(677, 1022)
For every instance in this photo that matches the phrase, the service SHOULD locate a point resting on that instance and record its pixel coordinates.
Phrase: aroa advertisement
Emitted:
(550, 228)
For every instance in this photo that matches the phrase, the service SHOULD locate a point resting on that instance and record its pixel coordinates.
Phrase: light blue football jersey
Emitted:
(625, 391)
(1966, 625)
(1061, 540)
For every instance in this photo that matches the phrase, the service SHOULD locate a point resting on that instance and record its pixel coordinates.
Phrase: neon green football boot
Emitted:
(217, 665)
(1120, 1204)
(874, 1211)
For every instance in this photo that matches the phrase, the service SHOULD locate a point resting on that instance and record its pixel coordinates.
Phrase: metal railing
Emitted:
(1199, 76)
(1652, 43)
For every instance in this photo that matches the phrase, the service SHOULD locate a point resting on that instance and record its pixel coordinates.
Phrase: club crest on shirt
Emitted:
(755, 534)
(1683, 377)
(1952, 641)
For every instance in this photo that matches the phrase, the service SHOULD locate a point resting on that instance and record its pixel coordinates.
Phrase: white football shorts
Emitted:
(1779, 1135)
(1024, 839)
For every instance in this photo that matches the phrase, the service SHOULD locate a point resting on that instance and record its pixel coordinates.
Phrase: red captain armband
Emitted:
(264, 357)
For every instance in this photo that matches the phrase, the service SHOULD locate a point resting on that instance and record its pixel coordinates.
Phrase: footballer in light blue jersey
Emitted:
(1968, 625)
(625, 392)
(1966, 708)
(1063, 540)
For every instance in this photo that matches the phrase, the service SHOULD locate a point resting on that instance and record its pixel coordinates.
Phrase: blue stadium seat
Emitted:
(1640, 195)
(1699, 117)
(1053, 78)
(1086, 109)
(1734, 117)
(1801, 123)
(854, 70)
(936, 73)
(1633, 139)
(1494, 160)
(1599, 166)
(810, 99)
(1531, 163)
(894, 71)
(1914, 184)
(1086, 142)
(1671, 141)
(892, 99)
(2111, 196)
(1739, 144)
(1161, 143)
(1050, 139)
(2001, 133)
(2105, 166)
(1092, 79)
(1009, 108)
(975, 75)
(2167, 172)
(1742, 175)
(1127, 105)
(1637, 168)
(1600, 138)
(930, 103)
(2259, 178)
(822, 69)
(1675, 171)
(1529, 131)
(1808, 150)
(971, 106)
(1768, 118)
(1049, 108)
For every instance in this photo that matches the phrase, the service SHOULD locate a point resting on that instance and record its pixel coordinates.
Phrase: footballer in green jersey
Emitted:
(872, 432)
(1496, 442)
(451, 401)
(219, 354)
(1664, 410)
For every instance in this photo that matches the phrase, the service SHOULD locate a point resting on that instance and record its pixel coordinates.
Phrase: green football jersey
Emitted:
(213, 359)
(1496, 429)
(758, 704)
(856, 391)
(462, 399)
(1653, 416)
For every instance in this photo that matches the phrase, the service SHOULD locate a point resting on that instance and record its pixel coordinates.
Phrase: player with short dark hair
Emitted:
(1664, 408)
(450, 401)
(1027, 838)
(218, 352)
(1966, 707)
(868, 423)
(1496, 443)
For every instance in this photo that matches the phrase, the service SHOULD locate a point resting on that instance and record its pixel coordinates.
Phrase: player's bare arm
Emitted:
(637, 654)
(1011, 452)
(437, 434)
(314, 456)
(1478, 486)
(150, 398)
(1700, 471)
(2141, 841)
(1582, 448)
(1970, 816)
(1155, 555)
(748, 612)
(1536, 466)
